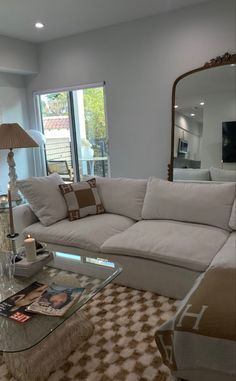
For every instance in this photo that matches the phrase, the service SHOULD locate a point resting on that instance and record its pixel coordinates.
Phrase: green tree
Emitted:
(94, 113)
(54, 104)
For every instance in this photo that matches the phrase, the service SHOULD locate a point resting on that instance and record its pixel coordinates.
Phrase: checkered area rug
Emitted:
(122, 347)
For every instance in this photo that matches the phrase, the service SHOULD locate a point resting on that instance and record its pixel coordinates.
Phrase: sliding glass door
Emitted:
(90, 131)
(74, 124)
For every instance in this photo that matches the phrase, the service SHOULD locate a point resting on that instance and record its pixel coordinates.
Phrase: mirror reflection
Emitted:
(205, 125)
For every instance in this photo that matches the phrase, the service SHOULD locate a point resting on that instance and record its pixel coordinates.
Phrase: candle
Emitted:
(12, 229)
(30, 249)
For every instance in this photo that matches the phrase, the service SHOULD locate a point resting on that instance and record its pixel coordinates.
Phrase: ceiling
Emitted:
(67, 17)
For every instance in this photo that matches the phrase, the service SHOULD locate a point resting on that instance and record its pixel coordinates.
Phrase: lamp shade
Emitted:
(14, 136)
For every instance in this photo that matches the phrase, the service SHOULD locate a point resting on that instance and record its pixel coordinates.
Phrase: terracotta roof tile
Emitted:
(56, 123)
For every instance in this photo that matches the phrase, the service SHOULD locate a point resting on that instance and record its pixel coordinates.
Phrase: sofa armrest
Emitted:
(23, 217)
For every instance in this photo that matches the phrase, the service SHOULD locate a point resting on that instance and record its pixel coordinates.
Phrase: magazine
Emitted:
(14, 307)
(56, 300)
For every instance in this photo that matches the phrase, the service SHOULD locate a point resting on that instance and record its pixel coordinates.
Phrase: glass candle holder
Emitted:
(7, 269)
(3, 201)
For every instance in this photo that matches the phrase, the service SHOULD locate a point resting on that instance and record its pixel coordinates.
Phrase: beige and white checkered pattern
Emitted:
(82, 199)
(122, 347)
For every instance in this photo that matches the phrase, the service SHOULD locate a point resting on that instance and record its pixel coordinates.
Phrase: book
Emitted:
(14, 307)
(56, 300)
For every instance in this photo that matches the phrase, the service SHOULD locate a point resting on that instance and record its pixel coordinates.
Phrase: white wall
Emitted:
(17, 56)
(139, 61)
(13, 108)
(218, 108)
(190, 130)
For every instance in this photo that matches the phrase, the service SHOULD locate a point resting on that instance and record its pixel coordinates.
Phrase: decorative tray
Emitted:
(27, 269)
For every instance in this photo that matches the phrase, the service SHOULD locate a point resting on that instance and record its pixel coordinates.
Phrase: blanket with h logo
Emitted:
(202, 334)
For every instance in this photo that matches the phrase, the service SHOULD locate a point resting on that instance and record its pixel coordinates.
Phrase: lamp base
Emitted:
(12, 237)
(13, 176)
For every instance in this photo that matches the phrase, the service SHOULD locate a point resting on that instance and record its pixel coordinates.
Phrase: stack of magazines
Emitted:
(53, 300)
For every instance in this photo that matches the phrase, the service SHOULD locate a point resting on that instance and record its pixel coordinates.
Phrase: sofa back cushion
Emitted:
(122, 195)
(232, 221)
(44, 197)
(209, 204)
(226, 175)
(191, 174)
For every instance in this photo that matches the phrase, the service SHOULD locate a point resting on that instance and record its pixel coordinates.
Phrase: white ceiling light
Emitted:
(192, 114)
(202, 103)
(176, 106)
(39, 25)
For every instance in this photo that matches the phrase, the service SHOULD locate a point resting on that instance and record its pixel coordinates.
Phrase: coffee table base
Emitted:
(38, 362)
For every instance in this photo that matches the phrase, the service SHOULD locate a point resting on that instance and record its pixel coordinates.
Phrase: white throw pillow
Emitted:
(227, 175)
(209, 204)
(45, 198)
(122, 195)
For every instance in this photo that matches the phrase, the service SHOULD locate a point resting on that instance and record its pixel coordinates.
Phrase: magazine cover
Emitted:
(56, 300)
(14, 307)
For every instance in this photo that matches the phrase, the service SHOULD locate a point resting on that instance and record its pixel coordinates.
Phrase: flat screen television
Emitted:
(183, 146)
(229, 142)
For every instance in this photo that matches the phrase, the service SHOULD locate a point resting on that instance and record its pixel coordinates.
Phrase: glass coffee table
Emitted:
(50, 339)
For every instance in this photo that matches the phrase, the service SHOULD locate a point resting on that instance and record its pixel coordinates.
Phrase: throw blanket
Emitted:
(202, 335)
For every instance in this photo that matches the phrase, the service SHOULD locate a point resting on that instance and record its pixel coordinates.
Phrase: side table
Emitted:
(38, 362)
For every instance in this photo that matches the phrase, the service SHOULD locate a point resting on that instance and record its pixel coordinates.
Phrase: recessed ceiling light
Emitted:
(202, 103)
(192, 114)
(176, 106)
(39, 25)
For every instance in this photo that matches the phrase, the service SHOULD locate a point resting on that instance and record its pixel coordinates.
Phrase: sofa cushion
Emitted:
(122, 196)
(219, 174)
(44, 197)
(226, 256)
(82, 199)
(209, 204)
(191, 174)
(232, 221)
(182, 244)
(86, 233)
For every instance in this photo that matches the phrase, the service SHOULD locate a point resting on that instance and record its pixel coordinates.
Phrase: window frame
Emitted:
(73, 133)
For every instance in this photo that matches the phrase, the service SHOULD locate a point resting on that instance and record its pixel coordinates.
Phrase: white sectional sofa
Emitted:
(170, 238)
(163, 234)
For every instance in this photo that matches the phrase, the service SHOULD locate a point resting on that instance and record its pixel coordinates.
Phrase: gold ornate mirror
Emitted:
(204, 122)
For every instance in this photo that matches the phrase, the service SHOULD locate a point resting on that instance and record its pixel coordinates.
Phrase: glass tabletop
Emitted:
(65, 269)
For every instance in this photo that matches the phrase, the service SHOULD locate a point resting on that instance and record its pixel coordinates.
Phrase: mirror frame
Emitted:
(224, 60)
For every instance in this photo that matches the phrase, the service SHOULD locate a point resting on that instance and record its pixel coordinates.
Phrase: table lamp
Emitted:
(14, 136)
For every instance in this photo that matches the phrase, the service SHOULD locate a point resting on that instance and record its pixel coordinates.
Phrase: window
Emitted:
(74, 124)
